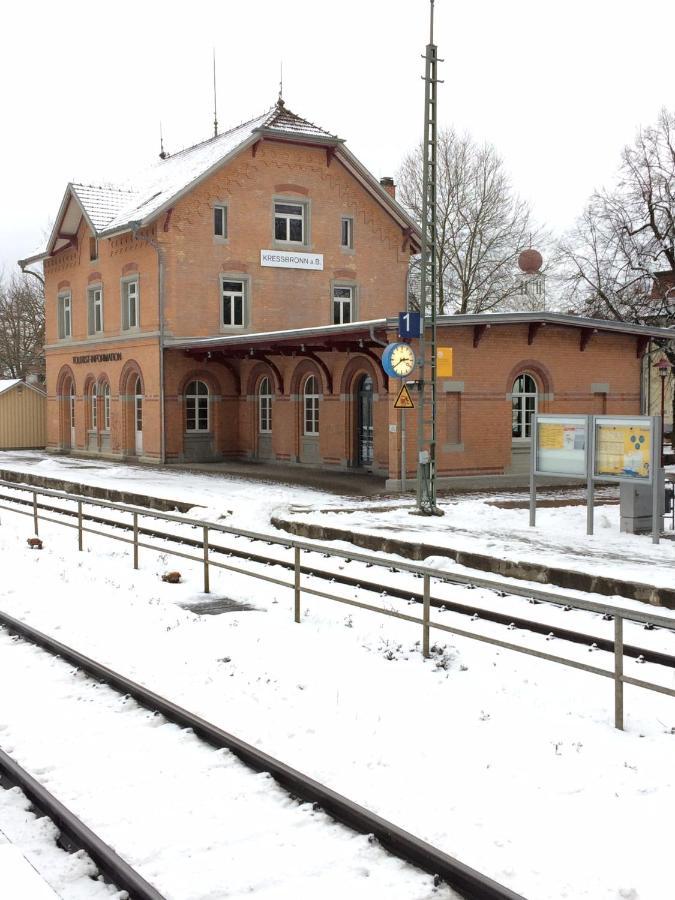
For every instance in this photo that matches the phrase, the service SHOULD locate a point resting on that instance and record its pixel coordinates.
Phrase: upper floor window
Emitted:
(220, 221)
(64, 316)
(93, 248)
(289, 222)
(233, 303)
(347, 232)
(523, 406)
(265, 406)
(197, 406)
(95, 310)
(130, 307)
(343, 305)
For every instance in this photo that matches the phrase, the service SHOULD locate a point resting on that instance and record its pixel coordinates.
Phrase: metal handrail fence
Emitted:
(427, 573)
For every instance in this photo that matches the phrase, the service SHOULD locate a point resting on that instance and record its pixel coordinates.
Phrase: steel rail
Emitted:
(119, 872)
(471, 884)
(475, 612)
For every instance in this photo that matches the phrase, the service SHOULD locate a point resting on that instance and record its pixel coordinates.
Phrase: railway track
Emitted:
(443, 868)
(472, 612)
(75, 835)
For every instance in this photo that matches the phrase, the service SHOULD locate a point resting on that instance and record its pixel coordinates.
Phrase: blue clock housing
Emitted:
(386, 358)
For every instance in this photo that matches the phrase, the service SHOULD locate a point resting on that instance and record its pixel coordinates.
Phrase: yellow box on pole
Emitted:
(444, 362)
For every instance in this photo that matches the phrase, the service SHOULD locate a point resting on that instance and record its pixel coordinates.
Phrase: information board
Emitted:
(623, 448)
(560, 445)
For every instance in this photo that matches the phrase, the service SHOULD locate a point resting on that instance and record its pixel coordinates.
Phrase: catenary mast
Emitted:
(426, 425)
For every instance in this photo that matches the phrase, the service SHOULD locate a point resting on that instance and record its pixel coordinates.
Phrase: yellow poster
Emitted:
(444, 362)
(622, 449)
(551, 436)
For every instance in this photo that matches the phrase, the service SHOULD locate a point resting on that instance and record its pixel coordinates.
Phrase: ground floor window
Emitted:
(311, 406)
(265, 406)
(106, 407)
(94, 407)
(197, 407)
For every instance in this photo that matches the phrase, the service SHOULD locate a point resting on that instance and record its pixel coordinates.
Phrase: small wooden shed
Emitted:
(23, 414)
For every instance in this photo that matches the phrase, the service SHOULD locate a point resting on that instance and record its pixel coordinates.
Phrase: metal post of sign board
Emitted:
(590, 456)
(657, 452)
(404, 461)
(533, 481)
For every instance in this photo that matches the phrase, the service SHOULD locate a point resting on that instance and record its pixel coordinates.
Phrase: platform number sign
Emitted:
(409, 324)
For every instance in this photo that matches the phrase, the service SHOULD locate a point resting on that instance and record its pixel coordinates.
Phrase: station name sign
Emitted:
(97, 358)
(283, 259)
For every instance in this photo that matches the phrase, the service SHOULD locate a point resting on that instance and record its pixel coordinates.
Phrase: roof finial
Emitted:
(215, 105)
(162, 152)
(280, 100)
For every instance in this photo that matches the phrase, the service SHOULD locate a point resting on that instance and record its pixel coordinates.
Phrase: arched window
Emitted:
(264, 406)
(94, 407)
(106, 406)
(197, 407)
(523, 406)
(311, 406)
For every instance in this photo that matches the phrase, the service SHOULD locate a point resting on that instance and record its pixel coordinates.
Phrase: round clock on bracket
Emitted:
(398, 360)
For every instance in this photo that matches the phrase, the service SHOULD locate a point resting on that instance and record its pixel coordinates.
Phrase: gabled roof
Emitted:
(7, 384)
(109, 210)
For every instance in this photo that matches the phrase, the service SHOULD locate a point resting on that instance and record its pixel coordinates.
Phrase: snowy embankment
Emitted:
(498, 759)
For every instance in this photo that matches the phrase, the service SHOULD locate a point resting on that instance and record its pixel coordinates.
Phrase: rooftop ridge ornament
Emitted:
(215, 103)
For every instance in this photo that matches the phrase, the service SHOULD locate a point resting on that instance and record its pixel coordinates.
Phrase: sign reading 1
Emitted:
(409, 324)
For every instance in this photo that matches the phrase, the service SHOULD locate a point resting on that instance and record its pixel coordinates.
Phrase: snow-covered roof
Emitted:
(109, 209)
(7, 383)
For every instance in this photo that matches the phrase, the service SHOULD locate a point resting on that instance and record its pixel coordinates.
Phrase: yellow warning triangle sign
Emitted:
(404, 400)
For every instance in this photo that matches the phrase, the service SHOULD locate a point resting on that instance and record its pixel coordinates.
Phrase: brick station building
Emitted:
(236, 302)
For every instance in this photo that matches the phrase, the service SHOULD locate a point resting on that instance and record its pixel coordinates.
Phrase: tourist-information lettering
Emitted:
(97, 358)
(288, 259)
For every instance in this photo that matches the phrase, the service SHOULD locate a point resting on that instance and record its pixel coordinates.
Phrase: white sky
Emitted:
(558, 89)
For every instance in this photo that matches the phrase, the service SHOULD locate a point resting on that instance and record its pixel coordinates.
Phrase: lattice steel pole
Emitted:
(426, 426)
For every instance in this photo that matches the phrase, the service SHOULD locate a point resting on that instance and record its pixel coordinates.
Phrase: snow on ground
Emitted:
(28, 845)
(509, 763)
(471, 522)
(475, 524)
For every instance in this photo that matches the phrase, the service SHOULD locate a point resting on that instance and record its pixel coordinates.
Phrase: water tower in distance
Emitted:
(530, 281)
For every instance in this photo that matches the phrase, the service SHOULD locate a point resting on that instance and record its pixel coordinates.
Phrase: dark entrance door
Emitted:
(364, 398)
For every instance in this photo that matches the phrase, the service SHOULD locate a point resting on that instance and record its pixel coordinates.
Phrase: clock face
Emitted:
(402, 359)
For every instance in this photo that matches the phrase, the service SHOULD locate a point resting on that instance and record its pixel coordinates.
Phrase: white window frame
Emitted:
(95, 309)
(339, 303)
(71, 403)
(93, 399)
(127, 284)
(105, 393)
(310, 406)
(232, 295)
(201, 403)
(223, 209)
(64, 314)
(347, 231)
(265, 397)
(289, 217)
(519, 406)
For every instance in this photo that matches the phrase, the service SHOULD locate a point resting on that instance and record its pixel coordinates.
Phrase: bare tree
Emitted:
(482, 226)
(22, 326)
(619, 260)
(626, 236)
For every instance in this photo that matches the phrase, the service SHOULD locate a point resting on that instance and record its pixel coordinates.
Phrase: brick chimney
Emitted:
(389, 186)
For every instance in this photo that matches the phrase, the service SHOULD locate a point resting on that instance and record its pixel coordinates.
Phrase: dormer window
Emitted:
(289, 222)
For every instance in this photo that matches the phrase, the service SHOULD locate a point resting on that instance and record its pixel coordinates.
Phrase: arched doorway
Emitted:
(70, 431)
(138, 416)
(265, 397)
(523, 409)
(364, 422)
